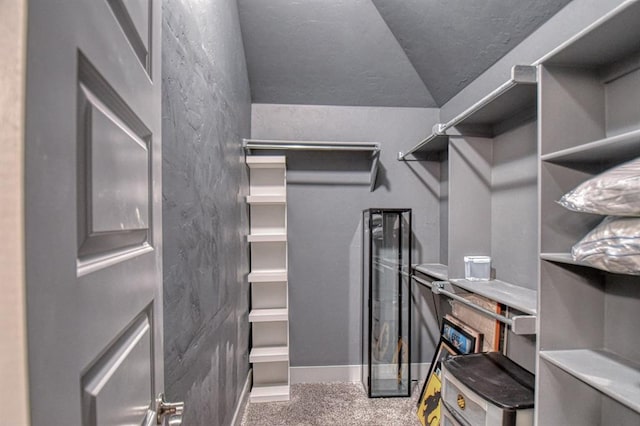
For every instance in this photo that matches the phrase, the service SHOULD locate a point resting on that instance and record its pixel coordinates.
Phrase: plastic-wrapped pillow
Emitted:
(613, 245)
(614, 192)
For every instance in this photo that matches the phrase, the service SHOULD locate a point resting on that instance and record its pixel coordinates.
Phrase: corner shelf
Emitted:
(615, 377)
(514, 296)
(515, 96)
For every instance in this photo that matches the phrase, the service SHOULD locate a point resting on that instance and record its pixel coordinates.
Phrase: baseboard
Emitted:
(242, 401)
(325, 373)
(419, 370)
(343, 373)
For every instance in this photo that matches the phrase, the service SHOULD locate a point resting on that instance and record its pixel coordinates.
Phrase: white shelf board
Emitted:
(606, 372)
(266, 238)
(269, 354)
(435, 270)
(266, 161)
(269, 315)
(562, 258)
(615, 149)
(269, 393)
(268, 276)
(266, 199)
(568, 259)
(520, 298)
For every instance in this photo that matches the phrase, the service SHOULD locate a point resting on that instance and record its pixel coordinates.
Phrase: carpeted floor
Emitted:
(320, 404)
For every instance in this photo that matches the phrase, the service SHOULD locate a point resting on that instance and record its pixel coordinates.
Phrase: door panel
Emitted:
(118, 387)
(134, 17)
(93, 211)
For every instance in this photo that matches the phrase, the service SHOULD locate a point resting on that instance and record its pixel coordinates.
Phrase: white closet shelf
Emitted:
(568, 259)
(606, 372)
(269, 393)
(267, 238)
(614, 149)
(266, 199)
(269, 315)
(266, 161)
(268, 276)
(269, 354)
(514, 96)
(435, 270)
(563, 258)
(514, 296)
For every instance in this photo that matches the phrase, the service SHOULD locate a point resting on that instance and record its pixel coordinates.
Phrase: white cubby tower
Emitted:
(269, 314)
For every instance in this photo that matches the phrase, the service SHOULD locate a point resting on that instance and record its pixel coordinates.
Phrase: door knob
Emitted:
(171, 410)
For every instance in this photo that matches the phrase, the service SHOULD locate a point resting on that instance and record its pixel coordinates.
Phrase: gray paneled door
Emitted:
(93, 203)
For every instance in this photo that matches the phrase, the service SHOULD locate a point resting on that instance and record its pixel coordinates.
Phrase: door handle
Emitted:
(170, 410)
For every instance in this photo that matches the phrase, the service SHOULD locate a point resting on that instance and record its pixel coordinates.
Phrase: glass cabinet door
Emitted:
(386, 302)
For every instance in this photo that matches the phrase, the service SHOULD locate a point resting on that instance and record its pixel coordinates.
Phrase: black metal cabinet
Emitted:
(386, 324)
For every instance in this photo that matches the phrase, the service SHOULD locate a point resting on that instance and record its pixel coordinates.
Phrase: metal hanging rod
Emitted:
(520, 324)
(250, 144)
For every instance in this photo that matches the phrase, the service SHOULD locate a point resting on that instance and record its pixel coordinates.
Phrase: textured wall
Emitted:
(410, 53)
(324, 230)
(451, 43)
(206, 112)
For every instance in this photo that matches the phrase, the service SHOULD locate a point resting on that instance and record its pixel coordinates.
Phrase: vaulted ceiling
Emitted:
(402, 53)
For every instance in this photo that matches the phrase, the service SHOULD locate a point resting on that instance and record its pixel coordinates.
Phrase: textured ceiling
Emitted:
(409, 53)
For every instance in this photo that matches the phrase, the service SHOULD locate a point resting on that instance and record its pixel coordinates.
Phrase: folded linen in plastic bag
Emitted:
(615, 192)
(613, 245)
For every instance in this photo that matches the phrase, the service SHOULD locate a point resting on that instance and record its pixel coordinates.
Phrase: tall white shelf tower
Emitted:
(269, 314)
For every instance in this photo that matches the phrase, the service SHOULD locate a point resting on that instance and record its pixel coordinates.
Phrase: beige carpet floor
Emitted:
(321, 404)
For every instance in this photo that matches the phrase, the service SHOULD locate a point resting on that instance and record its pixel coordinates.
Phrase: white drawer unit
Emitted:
(486, 390)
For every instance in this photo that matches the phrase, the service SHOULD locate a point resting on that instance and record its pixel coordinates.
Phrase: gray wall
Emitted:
(206, 113)
(324, 221)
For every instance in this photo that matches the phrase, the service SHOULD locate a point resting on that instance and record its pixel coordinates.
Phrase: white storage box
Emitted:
(477, 268)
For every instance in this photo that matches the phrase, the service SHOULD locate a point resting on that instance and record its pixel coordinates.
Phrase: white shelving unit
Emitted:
(269, 316)
(588, 343)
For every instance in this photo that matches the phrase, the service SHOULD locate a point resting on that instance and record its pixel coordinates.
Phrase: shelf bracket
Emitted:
(523, 324)
(374, 170)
